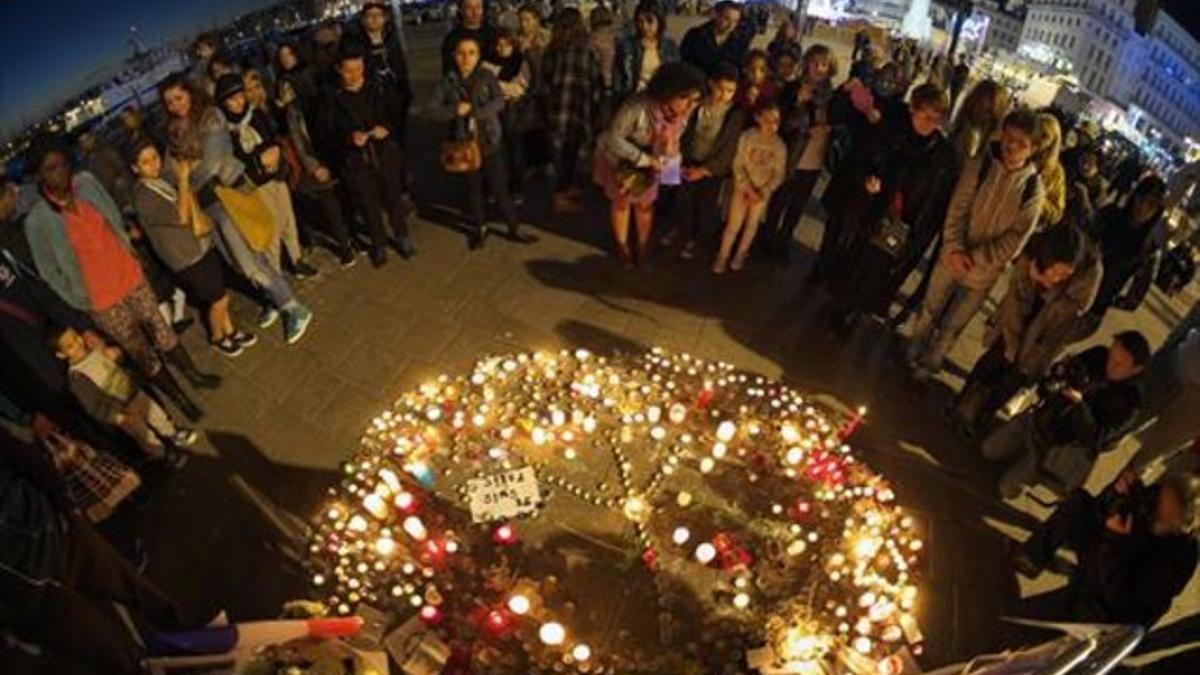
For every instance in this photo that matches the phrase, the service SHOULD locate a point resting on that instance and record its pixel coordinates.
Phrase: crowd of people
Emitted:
(928, 177)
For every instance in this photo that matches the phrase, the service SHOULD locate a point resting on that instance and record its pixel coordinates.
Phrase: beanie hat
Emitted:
(227, 86)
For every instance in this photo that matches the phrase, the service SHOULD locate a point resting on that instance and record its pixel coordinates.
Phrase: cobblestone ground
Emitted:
(221, 532)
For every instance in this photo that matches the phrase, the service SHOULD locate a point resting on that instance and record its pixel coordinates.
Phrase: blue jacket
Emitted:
(627, 62)
(45, 230)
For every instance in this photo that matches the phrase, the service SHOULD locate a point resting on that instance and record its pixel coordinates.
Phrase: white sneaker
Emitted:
(718, 267)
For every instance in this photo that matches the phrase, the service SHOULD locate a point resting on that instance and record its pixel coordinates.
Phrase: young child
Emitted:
(757, 85)
(512, 71)
(106, 391)
(758, 170)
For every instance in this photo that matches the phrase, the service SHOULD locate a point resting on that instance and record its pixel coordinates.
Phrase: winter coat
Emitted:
(799, 118)
(346, 112)
(700, 47)
(249, 152)
(1039, 322)
(992, 212)
(45, 230)
(572, 86)
(482, 90)
(627, 63)
(1131, 258)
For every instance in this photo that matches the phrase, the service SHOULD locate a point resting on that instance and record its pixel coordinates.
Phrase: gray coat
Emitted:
(630, 137)
(990, 219)
(1042, 335)
(482, 89)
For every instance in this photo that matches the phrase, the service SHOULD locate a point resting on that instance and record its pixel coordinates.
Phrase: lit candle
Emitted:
(552, 633)
(415, 528)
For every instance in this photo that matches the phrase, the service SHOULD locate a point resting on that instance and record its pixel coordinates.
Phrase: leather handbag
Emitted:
(461, 153)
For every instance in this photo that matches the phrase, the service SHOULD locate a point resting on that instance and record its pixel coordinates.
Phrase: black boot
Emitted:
(183, 362)
(166, 385)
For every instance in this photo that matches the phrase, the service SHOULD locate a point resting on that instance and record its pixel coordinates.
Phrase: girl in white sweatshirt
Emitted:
(758, 170)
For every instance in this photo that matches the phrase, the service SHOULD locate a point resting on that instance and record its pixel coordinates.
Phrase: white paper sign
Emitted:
(503, 495)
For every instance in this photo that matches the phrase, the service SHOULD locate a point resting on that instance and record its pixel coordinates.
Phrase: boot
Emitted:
(183, 362)
(166, 385)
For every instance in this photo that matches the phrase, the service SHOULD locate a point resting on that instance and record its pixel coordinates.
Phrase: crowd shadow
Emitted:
(229, 531)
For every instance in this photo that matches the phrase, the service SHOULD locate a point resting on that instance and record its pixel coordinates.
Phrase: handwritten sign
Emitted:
(503, 495)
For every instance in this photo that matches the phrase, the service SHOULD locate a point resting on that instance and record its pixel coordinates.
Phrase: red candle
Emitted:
(505, 535)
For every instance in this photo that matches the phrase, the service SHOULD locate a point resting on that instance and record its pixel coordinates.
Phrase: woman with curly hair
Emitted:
(643, 140)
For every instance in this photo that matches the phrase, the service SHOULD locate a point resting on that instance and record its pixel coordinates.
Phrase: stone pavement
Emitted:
(222, 532)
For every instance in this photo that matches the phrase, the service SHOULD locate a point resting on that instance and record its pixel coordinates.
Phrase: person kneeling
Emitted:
(108, 393)
(1086, 399)
(1134, 545)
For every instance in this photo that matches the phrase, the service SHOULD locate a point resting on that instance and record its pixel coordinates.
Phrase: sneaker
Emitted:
(518, 198)
(180, 327)
(185, 437)
(302, 270)
(295, 323)
(267, 317)
(688, 251)
(243, 338)
(718, 267)
(405, 248)
(378, 258)
(228, 346)
(739, 261)
(347, 258)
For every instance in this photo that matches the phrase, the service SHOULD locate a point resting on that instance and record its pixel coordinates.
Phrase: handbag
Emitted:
(250, 215)
(634, 180)
(461, 153)
(96, 481)
(892, 235)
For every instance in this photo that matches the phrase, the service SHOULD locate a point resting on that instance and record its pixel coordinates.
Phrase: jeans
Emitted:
(948, 308)
(254, 265)
(1015, 441)
(276, 196)
(494, 177)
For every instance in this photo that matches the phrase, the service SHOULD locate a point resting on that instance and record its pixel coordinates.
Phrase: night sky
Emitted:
(48, 48)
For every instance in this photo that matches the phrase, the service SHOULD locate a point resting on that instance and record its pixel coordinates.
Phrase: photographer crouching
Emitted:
(1084, 401)
(1134, 545)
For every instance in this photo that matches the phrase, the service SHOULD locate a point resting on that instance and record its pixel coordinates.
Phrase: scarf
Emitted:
(666, 132)
(247, 136)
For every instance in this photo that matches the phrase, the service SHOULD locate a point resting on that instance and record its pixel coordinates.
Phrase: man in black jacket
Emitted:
(1134, 548)
(385, 58)
(358, 120)
(723, 39)
(1086, 400)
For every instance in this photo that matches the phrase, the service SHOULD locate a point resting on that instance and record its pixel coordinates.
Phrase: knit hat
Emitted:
(375, 4)
(227, 86)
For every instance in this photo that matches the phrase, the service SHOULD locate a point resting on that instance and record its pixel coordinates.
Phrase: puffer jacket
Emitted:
(992, 213)
(1041, 333)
